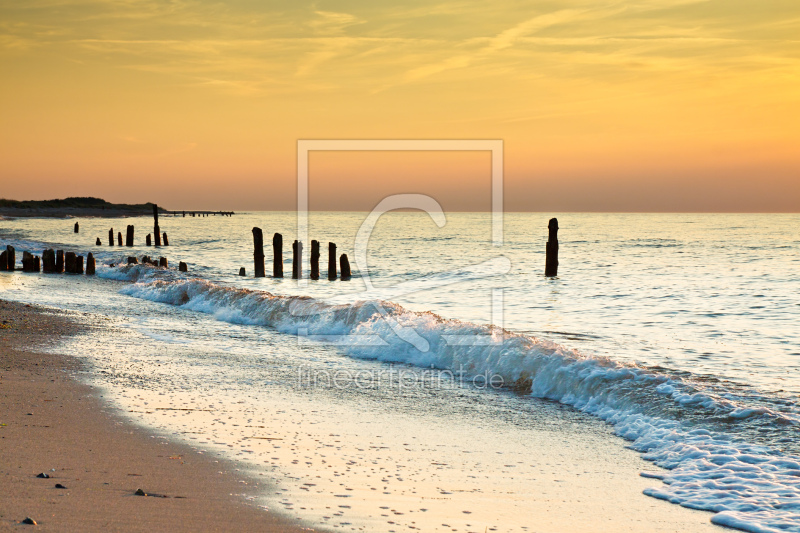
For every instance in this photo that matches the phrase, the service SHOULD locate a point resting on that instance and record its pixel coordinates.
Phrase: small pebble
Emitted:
(60, 486)
(140, 492)
(29, 520)
(43, 475)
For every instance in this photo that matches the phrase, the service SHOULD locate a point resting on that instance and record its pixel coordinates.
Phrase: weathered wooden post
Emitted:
(242, 272)
(166, 241)
(76, 227)
(183, 267)
(60, 262)
(119, 238)
(551, 262)
(97, 242)
(3, 261)
(90, 264)
(344, 265)
(111, 237)
(258, 253)
(27, 262)
(11, 253)
(37, 263)
(129, 236)
(79, 264)
(147, 240)
(156, 231)
(314, 259)
(49, 260)
(297, 260)
(277, 255)
(163, 263)
(69, 262)
(132, 260)
(331, 261)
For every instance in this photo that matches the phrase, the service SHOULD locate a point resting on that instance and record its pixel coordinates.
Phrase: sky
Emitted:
(652, 105)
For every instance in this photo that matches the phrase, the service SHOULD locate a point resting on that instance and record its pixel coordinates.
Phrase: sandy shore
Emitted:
(49, 423)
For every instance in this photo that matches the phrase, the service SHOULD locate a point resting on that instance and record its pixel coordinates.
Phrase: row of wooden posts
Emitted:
(297, 259)
(58, 262)
(129, 238)
(51, 261)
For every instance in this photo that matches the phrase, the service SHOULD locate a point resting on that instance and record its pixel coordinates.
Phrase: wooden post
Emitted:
(166, 241)
(163, 263)
(60, 262)
(90, 264)
(182, 267)
(11, 253)
(258, 253)
(129, 236)
(76, 227)
(242, 272)
(119, 238)
(49, 260)
(37, 263)
(27, 262)
(277, 255)
(314, 259)
(551, 262)
(79, 264)
(69, 262)
(97, 242)
(3, 261)
(147, 240)
(344, 264)
(331, 261)
(111, 237)
(156, 231)
(297, 260)
(132, 260)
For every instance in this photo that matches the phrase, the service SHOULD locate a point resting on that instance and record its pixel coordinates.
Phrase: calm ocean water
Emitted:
(678, 330)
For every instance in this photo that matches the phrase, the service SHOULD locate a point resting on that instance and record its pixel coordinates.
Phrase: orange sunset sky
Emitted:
(654, 105)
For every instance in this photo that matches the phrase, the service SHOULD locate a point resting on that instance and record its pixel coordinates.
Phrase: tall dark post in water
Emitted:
(111, 237)
(344, 263)
(156, 231)
(90, 265)
(119, 238)
(331, 261)
(129, 237)
(166, 241)
(3, 261)
(147, 240)
(76, 227)
(551, 263)
(297, 260)
(258, 253)
(60, 262)
(11, 254)
(69, 262)
(97, 242)
(314, 259)
(277, 257)
(49, 260)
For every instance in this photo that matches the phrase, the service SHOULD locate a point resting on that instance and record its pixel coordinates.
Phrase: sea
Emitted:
(409, 396)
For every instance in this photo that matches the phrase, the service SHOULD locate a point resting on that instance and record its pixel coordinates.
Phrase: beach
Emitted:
(55, 425)
(609, 409)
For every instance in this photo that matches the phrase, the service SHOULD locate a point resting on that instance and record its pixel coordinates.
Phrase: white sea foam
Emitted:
(750, 487)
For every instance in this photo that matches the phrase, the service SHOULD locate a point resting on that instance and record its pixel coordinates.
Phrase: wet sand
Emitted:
(52, 424)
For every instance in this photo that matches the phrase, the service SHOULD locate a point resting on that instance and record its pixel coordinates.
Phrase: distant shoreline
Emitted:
(70, 212)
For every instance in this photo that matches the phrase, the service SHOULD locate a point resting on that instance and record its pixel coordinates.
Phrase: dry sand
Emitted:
(49, 423)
